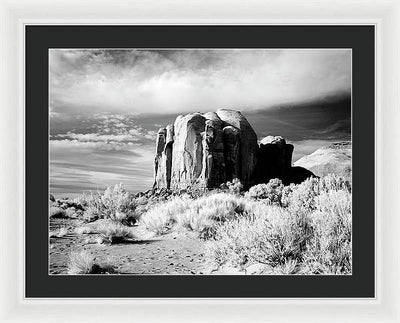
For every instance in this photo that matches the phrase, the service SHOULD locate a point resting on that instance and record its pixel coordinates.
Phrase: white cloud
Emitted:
(95, 137)
(173, 82)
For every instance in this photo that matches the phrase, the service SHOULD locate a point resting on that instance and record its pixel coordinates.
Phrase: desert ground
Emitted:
(170, 254)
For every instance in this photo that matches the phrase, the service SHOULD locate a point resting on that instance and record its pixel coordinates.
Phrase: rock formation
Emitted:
(209, 149)
(163, 158)
(335, 158)
(246, 140)
(187, 157)
(274, 159)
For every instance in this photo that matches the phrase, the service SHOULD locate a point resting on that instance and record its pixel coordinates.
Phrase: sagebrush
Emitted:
(83, 263)
(116, 203)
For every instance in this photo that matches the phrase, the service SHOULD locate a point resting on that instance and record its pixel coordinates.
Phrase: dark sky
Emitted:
(106, 105)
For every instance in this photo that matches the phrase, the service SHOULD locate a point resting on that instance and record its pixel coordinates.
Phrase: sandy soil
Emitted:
(171, 254)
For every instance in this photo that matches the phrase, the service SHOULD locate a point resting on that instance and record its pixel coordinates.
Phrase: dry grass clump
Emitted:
(114, 232)
(270, 237)
(70, 213)
(161, 217)
(57, 213)
(61, 232)
(198, 215)
(84, 230)
(82, 263)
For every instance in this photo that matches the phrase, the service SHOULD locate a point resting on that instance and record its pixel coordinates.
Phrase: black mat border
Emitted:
(40, 38)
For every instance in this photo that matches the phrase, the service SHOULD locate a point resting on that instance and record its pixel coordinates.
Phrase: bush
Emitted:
(271, 192)
(82, 263)
(161, 217)
(197, 215)
(58, 233)
(83, 230)
(193, 220)
(91, 214)
(115, 204)
(235, 187)
(333, 182)
(115, 232)
(70, 213)
(302, 197)
(57, 213)
(329, 250)
(82, 199)
(270, 236)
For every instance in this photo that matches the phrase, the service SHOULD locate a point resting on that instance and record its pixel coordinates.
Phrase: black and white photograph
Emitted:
(200, 161)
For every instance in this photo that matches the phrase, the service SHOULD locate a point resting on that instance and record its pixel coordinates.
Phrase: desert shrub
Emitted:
(235, 186)
(270, 236)
(329, 250)
(206, 213)
(114, 232)
(333, 182)
(114, 204)
(84, 230)
(219, 206)
(193, 214)
(287, 193)
(302, 197)
(70, 213)
(193, 220)
(195, 191)
(82, 263)
(61, 232)
(90, 214)
(270, 192)
(161, 217)
(82, 199)
(142, 200)
(57, 213)
(117, 203)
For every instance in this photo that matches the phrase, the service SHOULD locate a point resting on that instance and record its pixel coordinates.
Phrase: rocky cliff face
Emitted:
(275, 159)
(212, 148)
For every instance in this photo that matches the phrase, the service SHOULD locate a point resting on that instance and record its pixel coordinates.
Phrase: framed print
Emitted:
(68, 75)
(212, 202)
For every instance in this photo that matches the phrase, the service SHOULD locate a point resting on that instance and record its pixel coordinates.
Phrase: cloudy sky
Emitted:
(107, 105)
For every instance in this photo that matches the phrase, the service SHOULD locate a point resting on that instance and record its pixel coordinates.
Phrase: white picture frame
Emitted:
(385, 15)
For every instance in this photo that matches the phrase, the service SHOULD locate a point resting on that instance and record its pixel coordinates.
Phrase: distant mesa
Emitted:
(335, 158)
(215, 147)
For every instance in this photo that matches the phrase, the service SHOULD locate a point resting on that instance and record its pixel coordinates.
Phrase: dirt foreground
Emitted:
(178, 253)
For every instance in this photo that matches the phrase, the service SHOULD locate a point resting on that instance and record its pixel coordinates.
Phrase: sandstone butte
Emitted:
(209, 149)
